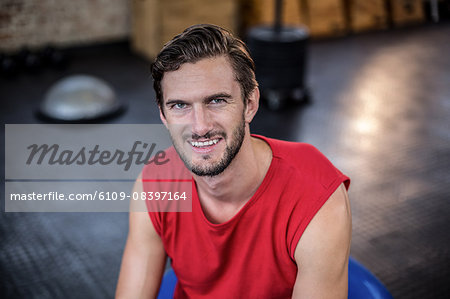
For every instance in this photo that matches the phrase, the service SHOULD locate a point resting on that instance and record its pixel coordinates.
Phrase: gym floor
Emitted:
(380, 110)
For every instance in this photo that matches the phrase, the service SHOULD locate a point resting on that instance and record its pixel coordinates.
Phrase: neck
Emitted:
(237, 184)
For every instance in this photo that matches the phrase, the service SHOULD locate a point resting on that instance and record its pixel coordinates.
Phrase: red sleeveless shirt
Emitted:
(252, 254)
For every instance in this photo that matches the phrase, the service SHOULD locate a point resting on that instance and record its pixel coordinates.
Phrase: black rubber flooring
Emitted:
(380, 111)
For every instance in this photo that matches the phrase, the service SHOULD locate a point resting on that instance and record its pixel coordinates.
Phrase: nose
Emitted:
(201, 121)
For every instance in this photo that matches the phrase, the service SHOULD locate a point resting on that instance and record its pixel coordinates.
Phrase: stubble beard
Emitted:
(230, 153)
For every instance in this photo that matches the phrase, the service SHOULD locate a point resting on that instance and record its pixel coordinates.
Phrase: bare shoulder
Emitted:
(140, 225)
(323, 250)
(332, 223)
(144, 256)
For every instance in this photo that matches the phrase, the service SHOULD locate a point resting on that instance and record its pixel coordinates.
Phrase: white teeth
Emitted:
(206, 143)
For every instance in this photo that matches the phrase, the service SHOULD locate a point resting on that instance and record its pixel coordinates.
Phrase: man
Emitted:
(270, 219)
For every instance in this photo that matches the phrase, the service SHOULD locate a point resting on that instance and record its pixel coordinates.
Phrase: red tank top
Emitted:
(252, 254)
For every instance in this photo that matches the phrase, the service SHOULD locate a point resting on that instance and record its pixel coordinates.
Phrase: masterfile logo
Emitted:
(52, 154)
(92, 168)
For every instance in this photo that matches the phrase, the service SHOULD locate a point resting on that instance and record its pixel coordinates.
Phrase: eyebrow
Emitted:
(206, 99)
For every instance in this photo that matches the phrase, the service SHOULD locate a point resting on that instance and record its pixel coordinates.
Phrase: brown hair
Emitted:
(205, 41)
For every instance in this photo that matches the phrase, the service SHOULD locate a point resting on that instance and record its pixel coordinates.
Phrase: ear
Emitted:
(162, 117)
(252, 105)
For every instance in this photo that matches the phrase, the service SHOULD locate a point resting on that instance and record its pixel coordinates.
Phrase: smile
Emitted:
(204, 143)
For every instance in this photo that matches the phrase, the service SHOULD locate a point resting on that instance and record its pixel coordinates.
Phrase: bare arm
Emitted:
(144, 256)
(323, 251)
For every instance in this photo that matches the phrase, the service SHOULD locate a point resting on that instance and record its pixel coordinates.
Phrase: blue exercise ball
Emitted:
(362, 284)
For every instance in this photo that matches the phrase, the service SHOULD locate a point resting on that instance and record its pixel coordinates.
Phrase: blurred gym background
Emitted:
(375, 100)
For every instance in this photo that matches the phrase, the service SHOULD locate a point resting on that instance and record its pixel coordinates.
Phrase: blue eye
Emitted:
(179, 105)
(217, 101)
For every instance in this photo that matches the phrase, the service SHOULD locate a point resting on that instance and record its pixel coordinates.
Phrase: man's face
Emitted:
(203, 100)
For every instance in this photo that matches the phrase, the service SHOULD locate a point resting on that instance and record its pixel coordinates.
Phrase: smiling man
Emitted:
(270, 218)
(216, 124)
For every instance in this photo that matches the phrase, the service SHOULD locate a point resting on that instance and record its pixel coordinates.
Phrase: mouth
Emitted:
(204, 146)
(206, 143)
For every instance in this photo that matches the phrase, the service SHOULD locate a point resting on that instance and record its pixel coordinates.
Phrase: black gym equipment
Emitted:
(54, 57)
(32, 61)
(8, 66)
(280, 55)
